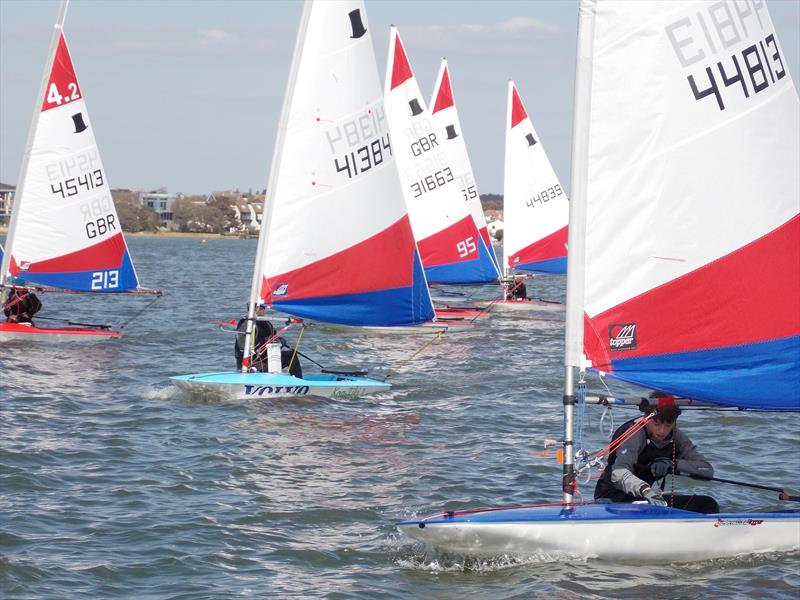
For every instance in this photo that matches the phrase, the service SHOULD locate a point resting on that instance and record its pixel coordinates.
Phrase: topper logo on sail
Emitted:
(622, 336)
(281, 290)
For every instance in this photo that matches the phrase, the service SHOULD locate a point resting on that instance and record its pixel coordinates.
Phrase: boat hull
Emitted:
(17, 331)
(460, 314)
(522, 306)
(620, 532)
(266, 386)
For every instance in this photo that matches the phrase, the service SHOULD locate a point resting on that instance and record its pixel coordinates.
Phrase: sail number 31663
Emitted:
(431, 182)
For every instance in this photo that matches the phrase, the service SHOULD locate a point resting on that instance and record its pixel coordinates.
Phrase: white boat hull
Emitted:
(268, 386)
(620, 532)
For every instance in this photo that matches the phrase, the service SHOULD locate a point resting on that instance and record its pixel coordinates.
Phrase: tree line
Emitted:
(194, 214)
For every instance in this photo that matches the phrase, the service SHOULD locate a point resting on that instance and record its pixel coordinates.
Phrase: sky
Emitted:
(186, 94)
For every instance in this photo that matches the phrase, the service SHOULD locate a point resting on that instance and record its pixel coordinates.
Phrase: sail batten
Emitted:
(690, 275)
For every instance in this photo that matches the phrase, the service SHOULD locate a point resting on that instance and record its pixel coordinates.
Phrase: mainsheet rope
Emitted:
(394, 370)
(136, 315)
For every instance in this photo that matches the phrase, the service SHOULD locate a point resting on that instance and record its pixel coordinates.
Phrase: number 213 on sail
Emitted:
(105, 280)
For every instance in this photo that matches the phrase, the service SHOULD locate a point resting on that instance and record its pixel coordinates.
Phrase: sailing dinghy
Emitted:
(64, 235)
(536, 209)
(450, 245)
(683, 250)
(444, 115)
(336, 245)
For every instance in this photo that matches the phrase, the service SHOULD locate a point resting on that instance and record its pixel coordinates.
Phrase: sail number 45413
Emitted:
(105, 280)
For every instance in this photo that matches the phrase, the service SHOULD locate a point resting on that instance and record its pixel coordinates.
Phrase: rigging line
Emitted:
(581, 413)
(148, 305)
(262, 347)
(309, 359)
(605, 385)
(632, 430)
(296, 345)
(674, 470)
(433, 339)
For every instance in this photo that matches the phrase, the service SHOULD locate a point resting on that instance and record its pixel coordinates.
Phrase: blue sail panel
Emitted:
(760, 376)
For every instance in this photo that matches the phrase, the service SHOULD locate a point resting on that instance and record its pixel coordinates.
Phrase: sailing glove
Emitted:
(660, 467)
(654, 497)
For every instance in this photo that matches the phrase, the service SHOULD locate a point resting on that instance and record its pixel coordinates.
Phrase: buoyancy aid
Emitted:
(641, 469)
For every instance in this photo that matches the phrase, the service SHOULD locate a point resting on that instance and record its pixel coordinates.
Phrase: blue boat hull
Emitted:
(255, 386)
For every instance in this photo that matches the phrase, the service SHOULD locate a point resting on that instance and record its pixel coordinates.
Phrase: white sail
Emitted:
(688, 180)
(535, 206)
(65, 231)
(445, 118)
(337, 244)
(448, 239)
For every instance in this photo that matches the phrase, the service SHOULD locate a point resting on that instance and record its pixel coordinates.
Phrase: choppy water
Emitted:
(113, 485)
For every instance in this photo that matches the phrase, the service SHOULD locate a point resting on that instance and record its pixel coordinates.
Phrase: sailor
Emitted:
(21, 305)
(263, 331)
(517, 289)
(650, 454)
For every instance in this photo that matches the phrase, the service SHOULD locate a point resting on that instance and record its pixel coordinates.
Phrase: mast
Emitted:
(37, 110)
(269, 201)
(573, 352)
(509, 88)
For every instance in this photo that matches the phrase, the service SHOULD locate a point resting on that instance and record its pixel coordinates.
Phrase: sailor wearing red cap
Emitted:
(651, 453)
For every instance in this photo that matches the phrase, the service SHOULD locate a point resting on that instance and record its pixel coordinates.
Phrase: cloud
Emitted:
(194, 46)
(516, 35)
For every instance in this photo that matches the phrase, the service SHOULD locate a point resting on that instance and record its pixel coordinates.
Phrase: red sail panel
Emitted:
(360, 268)
(444, 99)
(748, 296)
(62, 87)
(401, 69)
(518, 113)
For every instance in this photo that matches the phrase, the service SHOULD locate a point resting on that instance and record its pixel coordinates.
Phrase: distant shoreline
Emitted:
(169, 234)
(179, 234)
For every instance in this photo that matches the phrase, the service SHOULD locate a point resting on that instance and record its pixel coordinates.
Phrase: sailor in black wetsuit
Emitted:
(21, 305)
(263, 332)
(517, 289)
(659, 448)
